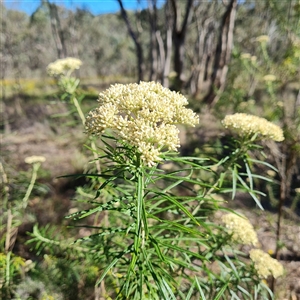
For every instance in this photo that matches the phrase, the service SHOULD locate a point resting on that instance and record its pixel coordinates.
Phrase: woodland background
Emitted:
(208, 50)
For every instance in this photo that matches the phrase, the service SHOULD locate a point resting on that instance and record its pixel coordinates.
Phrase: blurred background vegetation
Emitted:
(220, 54)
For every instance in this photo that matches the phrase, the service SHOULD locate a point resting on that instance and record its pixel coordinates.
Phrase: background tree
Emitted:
(179, 37)
(57, 30)
(222, 53)
(135, 37)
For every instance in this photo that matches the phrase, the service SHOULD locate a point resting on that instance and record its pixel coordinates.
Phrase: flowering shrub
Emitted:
(241, 229)
(63, 66)
(157, 239)
(248, 125)
(265, 264)
(143, 115)
(155, 236)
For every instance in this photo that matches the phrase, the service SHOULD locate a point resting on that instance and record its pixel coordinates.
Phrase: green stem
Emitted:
(265, 53)
(140, 207)
(79, 110)
(141, 230)
(7, 269)
(270, 89)
(5, 187)
(82, 117)
(31, 185)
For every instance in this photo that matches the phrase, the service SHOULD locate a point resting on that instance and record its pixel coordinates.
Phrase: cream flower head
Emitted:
(245, 124)
(63, 66)
(144, 115)
(34, 159)
(269, 78)
(245, 55)
(265, 265)
(241, 229)
(262, 39)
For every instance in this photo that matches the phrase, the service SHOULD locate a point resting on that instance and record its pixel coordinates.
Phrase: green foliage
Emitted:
(14, 267)
(268, 85)
(161, 236)
(158, 238)
(154, 233)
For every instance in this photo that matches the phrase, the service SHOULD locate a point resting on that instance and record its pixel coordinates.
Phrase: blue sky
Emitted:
(94, 6)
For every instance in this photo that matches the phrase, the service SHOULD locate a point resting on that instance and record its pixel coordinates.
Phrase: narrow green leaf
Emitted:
(171, 186)
(257, 201)
(221, 292)
(234, 180)
(232, 267)
(181, 207)
(190, 293)
(244, 291)
(251, 192)
(182, 250)
(156, 247)
(171, 225)
(104, 233)
(234, 296)
(221, 180)
(106, 270)
(156, 278)
(249, 175)
(200, 289)
(112, 263)
(263, 163)
(186, 179)
(169, 289)
(258, 176)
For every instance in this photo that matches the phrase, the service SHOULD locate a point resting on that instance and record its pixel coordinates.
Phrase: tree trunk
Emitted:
(168, 49)
(153, 57)
(223, 54)
(203, 49)
(57, 31)
(179, 40)
(138, 46)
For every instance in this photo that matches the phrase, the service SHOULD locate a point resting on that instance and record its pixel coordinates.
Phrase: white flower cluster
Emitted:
(144, 115)
(63, 66)
(269, 78)
(245, 124)
(241, 229)
(265, 265)
(262, 39)
(34, 159)
(248, 56)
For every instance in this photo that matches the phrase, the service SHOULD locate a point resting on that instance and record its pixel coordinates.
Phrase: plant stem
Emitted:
(7, 270)
(141, 230)
(140, 208)
(31, 185)
(93, 146)
(8, 230)
(79, 110)
(5, 189)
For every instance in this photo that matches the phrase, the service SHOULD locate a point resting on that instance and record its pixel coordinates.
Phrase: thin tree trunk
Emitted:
(152, 9)
(138, 46)
(57, 31)
(169, 46)
(223, 54)
(179, 36)
(162, 56)
(203, 48)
